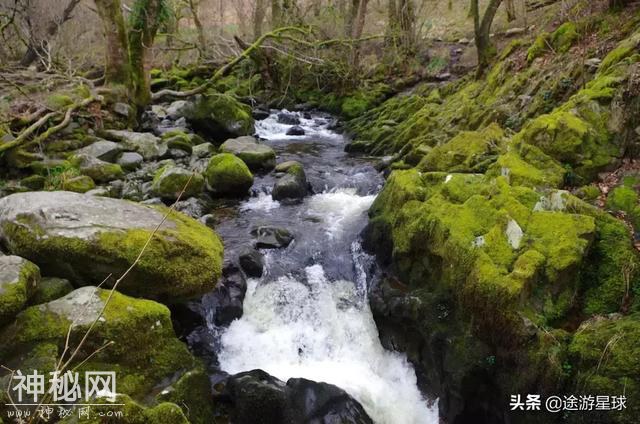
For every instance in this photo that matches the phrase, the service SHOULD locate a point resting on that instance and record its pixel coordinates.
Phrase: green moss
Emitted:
(605, 353)
(33, 182)
(169, 182)
(58, 101)
(623, 199)
(16, 293)
(51, 289)
(227, 175)
(467, 151)
(538, 47)
(564, 37)
(588, 193)
(193, 390)
(79, 184)
(623, 50)
(527, 165)
(221, 116)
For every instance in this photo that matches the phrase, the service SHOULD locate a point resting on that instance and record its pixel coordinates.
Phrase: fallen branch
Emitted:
(227, 68)
(22, 138)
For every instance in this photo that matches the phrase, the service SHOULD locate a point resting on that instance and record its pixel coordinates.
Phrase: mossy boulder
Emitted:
(220, 116)
(625, 199)
(97, 169)
(257, 156)
(104, 150)
(469, 151)
(499, 244)
(170, 181)
(143, 350)
(89, 238)
(79, 184)
(606, 356)
(293, 185)
(51, 288)
(18, 281)
(563, 38)
(526, 165)
(227, 175)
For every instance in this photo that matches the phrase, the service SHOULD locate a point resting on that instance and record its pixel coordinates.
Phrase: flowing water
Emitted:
(308, 316)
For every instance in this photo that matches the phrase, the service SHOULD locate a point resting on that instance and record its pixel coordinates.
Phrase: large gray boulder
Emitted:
(18, 281)
(89, 238)
(102, 149)
(147, 144)
(257, 156)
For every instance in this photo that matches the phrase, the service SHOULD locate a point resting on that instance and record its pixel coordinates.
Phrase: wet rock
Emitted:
(228, 176)
(147, 144)
(260, 114)
(18, 281)
(288, 118)
(219, 117)
(102, 149)
(86, 238)
(252, 263)
(170, 181)
(176, 154)
(295, 130)
(271, 237)
(293, 185)
(258, 157)
(297, 401)
(97, 169)
(51, 288)
(209, 220)
(203, 150)
(130, 161)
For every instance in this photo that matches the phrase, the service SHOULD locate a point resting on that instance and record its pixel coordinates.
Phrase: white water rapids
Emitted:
(323, 330)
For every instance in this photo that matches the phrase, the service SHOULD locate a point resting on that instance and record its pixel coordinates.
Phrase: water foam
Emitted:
(339, 209)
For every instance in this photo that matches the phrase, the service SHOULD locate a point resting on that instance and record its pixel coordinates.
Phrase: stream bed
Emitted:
(308, 315)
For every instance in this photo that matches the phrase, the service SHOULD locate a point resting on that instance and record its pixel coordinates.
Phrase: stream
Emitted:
(308, 315)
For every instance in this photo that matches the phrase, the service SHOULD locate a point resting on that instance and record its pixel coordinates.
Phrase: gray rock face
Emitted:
(87, 238)
(252, 262)
(296, 130)
(176, 109)
(258, 157)
(123, 109)
(288, 118)
(18, 281)
(130, 161)
(102, 149)
(147, 144)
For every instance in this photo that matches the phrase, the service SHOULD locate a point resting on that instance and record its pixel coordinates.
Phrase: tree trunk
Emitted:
(511, 10)
(258, 18)
(37, 43)
(141, 37)
(350, 18)
(482, 29)
(406, 15)
(361, 19)
(117, 54)
(193, 7)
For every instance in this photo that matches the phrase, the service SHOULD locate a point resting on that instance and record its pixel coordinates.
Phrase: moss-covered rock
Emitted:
(79, 184)
(170, 181)
(227, 175)
(97, 169)
(257, 156)
(49, 289)
(605, 352)
(142, 347)
(18, 281)
(471, 151)
(220, 116)
(89, 238)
